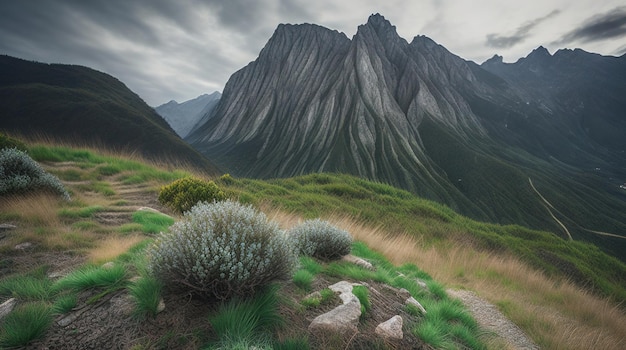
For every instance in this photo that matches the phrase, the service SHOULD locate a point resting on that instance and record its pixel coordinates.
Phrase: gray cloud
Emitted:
(502, 42)
(600, 27)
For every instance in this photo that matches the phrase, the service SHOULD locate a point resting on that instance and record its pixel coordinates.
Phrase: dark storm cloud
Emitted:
(503, 42)
(599, 27)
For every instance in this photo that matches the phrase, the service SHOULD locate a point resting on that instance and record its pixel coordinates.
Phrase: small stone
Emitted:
(24, 246)
(391, 328)
(7, 307)
(56, 274)
(161, 306)
(109, 265)
(422, 284)
(412, 301)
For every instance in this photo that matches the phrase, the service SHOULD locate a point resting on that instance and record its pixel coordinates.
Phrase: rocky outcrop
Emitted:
(343, 318)
(418, 117)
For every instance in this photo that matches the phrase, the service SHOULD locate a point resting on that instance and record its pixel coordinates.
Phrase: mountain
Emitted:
(85, 107)
(182, 117)
(418, 117)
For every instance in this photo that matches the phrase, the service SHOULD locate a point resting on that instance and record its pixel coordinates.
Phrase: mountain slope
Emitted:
(418, 117)
(80, 105)
(183, 117)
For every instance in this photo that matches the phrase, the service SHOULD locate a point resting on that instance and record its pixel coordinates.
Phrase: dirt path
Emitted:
(490, 318)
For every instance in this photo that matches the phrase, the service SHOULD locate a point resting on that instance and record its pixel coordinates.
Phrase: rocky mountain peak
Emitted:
(494, 60)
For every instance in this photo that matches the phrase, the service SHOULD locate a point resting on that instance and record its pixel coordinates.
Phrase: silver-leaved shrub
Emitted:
(320, 239)
(221, 250)
(20, 174)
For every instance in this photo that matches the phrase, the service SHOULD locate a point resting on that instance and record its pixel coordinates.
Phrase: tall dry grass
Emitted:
(113, 246)
(556, 314)
(32, 209)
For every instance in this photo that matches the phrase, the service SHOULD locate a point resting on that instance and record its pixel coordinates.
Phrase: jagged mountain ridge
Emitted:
(82, 106)
(410, 114)
(183, 117)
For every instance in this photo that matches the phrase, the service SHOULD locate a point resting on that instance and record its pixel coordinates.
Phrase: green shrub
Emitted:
(9, 142)
(222, 250)
(320, 239)
(181, 195)
(19, 174)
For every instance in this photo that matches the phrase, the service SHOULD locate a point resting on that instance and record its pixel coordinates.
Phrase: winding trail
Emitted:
(548, 206)
(490, 318)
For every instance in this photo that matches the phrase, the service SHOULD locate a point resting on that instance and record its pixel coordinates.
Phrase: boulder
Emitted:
(391, 329)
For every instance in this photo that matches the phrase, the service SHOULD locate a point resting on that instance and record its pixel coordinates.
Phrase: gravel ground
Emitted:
(490, 318)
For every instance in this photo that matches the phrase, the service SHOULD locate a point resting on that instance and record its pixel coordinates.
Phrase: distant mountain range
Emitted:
(183, 117)
(539, 142)
(85, 107)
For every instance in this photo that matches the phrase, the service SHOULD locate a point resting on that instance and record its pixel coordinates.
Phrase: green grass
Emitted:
(80, 213)
(325, 296)
(27, 287)
(362, 293)
(152, 222)
(310, 264)
(105, 165)
(92, 277)
(27, 322)
(246, 321)
(303, 279)
(146, 292)
(395, 210)
(64, 303)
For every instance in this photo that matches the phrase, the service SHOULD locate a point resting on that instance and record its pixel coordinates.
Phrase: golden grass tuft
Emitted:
(32, 209)
(113, 246)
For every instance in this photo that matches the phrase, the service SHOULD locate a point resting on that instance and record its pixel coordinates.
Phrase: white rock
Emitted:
(391, 328)
(161, 306)
(343, 318)
(24, 246)
(412, 301)
(358, 261)
(109, 265)
(7, 307)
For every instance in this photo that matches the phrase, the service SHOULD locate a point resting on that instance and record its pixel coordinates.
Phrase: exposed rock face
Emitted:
(182, 117)
(418, 117)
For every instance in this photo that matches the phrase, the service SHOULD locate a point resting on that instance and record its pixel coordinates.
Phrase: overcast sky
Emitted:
(179, 49)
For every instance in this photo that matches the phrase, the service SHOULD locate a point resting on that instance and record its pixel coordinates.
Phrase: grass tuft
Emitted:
(303, 279)
(152, 222)
(92, 277)
(246, 320)
(146, 292)
(26, 323)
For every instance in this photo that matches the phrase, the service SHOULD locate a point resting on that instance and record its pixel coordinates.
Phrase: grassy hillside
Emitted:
(537, 279)
(80, 105)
